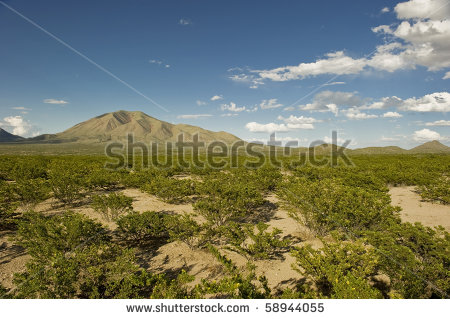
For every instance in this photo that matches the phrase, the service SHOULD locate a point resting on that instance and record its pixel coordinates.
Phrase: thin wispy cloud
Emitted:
(217, 98)
(159, 62)
(184, 21)
(55, 101)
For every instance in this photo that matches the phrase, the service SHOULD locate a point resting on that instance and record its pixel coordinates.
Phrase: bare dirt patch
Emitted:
(414, 209)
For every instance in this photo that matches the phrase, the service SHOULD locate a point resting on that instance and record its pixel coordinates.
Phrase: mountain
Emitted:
(430, 147)
(115, 126)
(6, 137)
(379, 150)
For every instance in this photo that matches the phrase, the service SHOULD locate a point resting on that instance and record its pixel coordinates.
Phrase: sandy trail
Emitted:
(416, 210)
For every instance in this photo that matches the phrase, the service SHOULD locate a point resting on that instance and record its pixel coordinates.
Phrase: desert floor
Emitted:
(174, 256)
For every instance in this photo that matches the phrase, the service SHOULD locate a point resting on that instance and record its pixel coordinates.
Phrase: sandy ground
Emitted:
(416, 210)
(173, 257)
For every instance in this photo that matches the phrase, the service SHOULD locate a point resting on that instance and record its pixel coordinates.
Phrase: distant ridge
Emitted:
(6, 137)
(434, 147)
(115, 126)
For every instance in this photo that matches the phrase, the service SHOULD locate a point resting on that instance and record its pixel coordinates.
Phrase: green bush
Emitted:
(142, 227)
(184, 228)
(338, 270)
(46, 237)
(327, 205)
(226, 199)
(67, 180)
(415, 257)
(9, 202)
(169, 189)
(112, 206)
(260, 245)
(438, 190)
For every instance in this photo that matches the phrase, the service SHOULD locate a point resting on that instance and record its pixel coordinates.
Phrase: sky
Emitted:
(377, 72)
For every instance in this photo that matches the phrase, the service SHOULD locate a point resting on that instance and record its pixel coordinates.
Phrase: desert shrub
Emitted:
(142, 227)
(169, 189)
(261, 244)
(328, 205)
(31, 191)
(415, 257)
(9, 201)
(338, 270)
(67, 180)
(46, 237)
(226, 199)
(438, 190)
(235, 284)
(177, 288)
(183, 228)
(112, 206)
(102, 179)
(100, 270)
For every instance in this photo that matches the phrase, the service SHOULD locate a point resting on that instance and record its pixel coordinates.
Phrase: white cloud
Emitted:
(426, 135)
(232, 107)
(385, 10)
(274, 127)
(249, 79)
(389, 139)
(159, 62)
(17, 124)
(193, 116)
(270, 104)
(329, 101)
(438, 123)
(334, 83)
(54, 101)
(420, 38)
(424, 9)
(435, 102)
(200, 103)
(298, 120)
(229, 114)
(217, 98)
(21, 108)
(446, 76)
(266, 128)
(392, 115)
(354, 113)
(184, 21)
(333, 63)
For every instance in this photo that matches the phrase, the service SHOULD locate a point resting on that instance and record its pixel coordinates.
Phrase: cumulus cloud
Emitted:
(392, 115)
(229, 114)
(252, 80)
(426, 135)
(438, 123)
(232, 107)
(55, 101)
(200, 103)
(434, 102)
(274, 127)
(193, 116)
(329, 101)
(270, 104)
(420, 38)
(21, 108)
(217, 98)
(384, 10)
(354, 113)
(298, 119)
(446, 76)
(17, 125)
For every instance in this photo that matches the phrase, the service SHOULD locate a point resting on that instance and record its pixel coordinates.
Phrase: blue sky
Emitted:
(376, 71)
